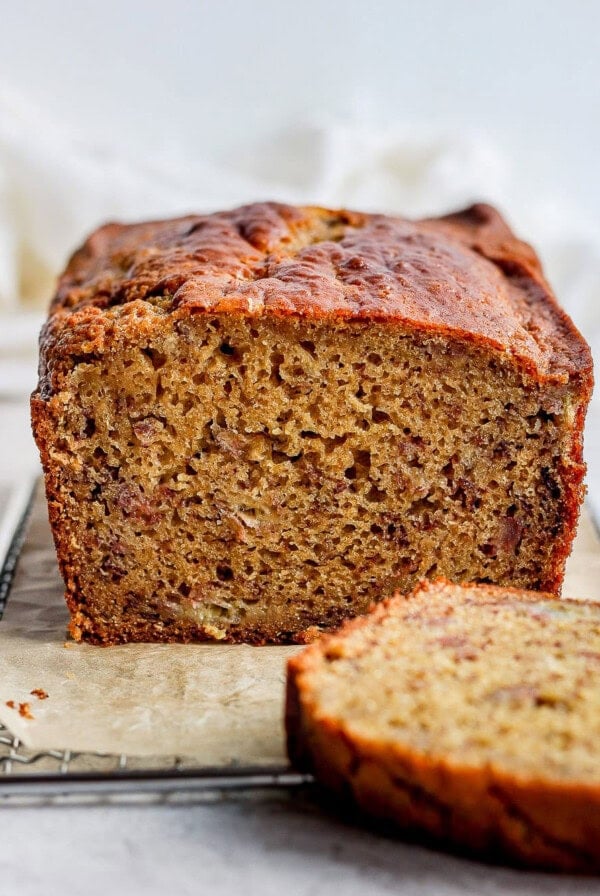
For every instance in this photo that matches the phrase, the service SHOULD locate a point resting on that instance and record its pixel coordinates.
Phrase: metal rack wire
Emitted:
(63, 776)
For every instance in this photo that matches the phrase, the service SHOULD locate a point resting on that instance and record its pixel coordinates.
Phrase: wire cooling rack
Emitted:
(63, 776)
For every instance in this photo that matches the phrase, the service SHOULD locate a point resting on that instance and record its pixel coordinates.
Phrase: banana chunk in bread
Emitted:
(467, 713)
(254, 423)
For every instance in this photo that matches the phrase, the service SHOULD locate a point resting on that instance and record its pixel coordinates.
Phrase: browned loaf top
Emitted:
(470, 714)
(464, 274)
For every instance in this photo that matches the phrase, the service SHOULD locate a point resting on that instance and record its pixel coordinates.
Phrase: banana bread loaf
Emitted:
(470, 714)
(256, 422)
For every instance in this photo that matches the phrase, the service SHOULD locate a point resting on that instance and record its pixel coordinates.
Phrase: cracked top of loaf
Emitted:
(464, 275)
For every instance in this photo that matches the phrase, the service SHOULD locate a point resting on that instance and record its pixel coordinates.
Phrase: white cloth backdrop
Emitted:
(54, 189)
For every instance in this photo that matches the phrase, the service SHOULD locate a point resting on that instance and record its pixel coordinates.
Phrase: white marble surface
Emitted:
(272, 848)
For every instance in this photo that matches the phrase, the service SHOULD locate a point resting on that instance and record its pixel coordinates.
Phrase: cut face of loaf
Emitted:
(467, 713)
(226, 473)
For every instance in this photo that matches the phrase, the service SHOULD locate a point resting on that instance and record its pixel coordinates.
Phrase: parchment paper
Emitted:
(215, 704)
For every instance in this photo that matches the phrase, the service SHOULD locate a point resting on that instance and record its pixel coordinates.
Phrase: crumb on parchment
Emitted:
(40, 693)
(24, 709)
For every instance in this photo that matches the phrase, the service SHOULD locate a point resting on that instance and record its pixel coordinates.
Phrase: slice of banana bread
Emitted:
(254, 423)
(468, 713)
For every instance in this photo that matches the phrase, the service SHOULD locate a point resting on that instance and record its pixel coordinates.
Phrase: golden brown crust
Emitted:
(536, 821)
(465, 274)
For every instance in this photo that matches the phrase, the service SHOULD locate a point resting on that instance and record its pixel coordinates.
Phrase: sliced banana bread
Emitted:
(256, 422)
(468, 713)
